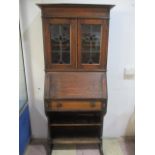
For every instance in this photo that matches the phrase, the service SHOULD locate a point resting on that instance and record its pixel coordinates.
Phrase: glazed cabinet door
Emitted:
(92, 43)
(60, 43)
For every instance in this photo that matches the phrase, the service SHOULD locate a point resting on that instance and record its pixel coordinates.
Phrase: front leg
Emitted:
(101, 148)
(48, 148)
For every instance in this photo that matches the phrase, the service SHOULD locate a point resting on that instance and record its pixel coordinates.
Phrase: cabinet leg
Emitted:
(48, 149)
(51, 148)
(101, 149)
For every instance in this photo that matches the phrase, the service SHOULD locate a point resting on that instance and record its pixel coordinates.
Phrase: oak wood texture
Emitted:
(75, 10)
(75, 85)
(75, 105)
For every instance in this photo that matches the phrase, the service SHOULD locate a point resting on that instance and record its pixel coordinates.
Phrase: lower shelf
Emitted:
(75, 131)
(77, 124)
(76, 141)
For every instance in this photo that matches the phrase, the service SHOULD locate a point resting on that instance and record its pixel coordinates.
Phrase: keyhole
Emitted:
(60, 38)
(61, 62)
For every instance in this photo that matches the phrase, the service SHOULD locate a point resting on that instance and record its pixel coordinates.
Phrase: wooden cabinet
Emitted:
(75, 50)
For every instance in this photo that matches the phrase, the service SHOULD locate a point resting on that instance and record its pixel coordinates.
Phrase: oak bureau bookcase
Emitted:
(75, 49)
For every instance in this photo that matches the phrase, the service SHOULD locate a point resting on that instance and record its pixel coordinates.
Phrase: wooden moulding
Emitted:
(75, 10)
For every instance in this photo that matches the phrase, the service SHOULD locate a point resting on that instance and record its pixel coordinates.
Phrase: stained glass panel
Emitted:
(60, 43)
(90, 43)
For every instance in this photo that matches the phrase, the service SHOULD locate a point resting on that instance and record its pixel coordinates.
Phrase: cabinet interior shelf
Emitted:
(78, 110)
(79, 124)
(76, 140)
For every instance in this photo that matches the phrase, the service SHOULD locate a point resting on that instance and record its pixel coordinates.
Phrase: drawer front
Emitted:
(75, 105)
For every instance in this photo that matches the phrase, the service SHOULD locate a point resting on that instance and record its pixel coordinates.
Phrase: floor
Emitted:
(111, 147)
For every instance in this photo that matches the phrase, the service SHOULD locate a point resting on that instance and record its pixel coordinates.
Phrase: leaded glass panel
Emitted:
(60, 43)
(90, 43)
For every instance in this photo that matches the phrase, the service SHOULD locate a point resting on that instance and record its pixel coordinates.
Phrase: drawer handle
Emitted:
(59, 105)
(92, 104)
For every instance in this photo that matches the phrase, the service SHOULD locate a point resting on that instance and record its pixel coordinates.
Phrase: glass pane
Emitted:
(60, 43)
(22, 82)
(90, 43)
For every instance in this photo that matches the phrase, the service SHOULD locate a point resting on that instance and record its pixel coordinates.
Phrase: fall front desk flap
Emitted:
(75, 85)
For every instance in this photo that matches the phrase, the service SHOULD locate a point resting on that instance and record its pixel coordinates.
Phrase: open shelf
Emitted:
(64, 125)
(76, 118)
(76, 140)
(75, 131)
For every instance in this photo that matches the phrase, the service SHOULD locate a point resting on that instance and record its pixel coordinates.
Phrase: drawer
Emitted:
(75, 105)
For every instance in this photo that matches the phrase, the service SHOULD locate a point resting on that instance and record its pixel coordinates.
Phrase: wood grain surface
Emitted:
(75, 85)
(75, 105)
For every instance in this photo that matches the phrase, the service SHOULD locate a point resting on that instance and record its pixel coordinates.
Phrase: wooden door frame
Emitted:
(104, 44)
(47, 43)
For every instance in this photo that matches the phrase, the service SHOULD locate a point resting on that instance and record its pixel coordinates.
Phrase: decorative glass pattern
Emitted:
(90, 43)
(60, 43)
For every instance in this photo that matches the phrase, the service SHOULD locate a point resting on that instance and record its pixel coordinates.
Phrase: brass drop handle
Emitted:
(59, 105)
(92, 103)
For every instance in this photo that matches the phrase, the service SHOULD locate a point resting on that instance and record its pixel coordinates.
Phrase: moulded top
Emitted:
(109, 6)
(75, 10)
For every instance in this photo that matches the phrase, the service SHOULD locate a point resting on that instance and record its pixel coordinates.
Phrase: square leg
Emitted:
(48, 148)
(101, 148)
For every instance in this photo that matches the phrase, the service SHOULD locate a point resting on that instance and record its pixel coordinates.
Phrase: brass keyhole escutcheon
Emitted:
(92, 103)
(59, 105)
